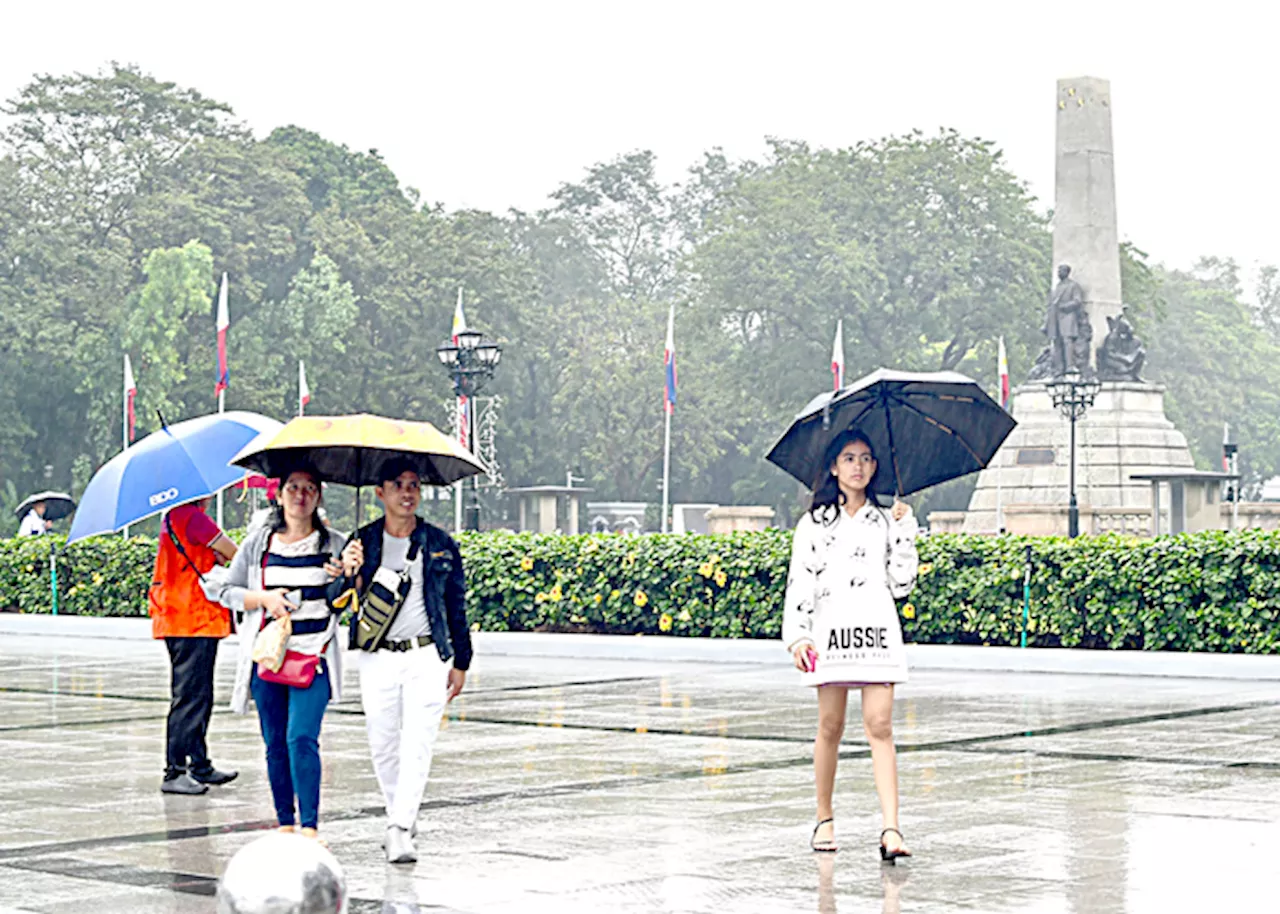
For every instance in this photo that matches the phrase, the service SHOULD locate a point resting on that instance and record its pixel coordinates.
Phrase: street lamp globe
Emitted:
(447, 354)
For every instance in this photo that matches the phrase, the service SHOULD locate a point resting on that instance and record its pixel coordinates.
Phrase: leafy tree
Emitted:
(627, 222)
(93, 143)
(124, 197)
(161, 332)
(1219, 367)
(926, 247)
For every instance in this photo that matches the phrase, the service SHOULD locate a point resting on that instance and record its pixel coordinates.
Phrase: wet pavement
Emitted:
(634, 786)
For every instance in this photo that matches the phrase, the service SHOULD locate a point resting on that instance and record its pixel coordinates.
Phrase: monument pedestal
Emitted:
(1123, 433)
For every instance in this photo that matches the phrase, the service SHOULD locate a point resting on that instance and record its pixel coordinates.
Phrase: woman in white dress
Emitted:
(849, 559)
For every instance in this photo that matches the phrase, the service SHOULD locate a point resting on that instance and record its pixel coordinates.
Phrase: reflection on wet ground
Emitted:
(638, 787)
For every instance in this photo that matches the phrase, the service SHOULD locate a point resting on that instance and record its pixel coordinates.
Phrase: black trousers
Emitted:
(191, 705)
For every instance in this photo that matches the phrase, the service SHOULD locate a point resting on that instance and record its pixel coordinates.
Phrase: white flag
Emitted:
(837, 356)
(130, 393)
(304, 392)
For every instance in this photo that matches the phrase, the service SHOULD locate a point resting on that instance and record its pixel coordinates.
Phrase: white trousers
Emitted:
(403, 695)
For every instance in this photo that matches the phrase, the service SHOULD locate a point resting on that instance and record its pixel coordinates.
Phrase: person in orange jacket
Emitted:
(191, 626)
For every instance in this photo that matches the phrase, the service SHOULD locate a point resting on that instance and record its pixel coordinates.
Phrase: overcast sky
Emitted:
(492, 105)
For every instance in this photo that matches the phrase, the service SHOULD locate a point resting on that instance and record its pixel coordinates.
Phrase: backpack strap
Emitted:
(168, 526)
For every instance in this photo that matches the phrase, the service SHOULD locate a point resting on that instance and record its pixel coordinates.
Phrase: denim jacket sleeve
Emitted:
(455, 605)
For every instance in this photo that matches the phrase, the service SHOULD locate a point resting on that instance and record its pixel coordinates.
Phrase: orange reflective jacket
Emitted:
(179, 608)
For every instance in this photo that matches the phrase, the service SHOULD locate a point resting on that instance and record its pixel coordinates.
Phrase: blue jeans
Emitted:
(290, 719)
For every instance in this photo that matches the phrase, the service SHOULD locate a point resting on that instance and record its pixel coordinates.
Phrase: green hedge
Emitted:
(1204, 592)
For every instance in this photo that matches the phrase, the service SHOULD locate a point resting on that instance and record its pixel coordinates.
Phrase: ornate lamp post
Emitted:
(471, 362)
(1073, 394)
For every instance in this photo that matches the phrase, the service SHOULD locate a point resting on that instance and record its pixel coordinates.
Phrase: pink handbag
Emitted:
(297, 670)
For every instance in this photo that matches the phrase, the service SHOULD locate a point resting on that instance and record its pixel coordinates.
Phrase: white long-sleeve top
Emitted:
(843, 580)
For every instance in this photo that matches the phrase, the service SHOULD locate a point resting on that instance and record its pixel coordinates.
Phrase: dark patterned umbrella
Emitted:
(925, 428)
(57, 505)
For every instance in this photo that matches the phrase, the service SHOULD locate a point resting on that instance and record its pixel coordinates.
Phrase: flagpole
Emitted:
(124, 416)
(1001, 374)
(222, 405)
(666, 476)
(461, 407)
(668, 407)
(457, 486)
(221, 324)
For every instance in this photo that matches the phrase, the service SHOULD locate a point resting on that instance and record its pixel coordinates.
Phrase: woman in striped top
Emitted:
(282, 569)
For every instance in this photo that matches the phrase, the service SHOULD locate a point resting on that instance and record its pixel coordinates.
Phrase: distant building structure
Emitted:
(616, 516)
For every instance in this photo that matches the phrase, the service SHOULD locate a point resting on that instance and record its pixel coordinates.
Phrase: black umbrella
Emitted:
(925, 428)
(57, 505)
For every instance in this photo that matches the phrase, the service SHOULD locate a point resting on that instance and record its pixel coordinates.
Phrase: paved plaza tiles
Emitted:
(638, 786)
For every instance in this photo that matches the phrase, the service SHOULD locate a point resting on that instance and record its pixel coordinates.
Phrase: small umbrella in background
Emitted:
(925, 428)
(178, 464)
(57, 505)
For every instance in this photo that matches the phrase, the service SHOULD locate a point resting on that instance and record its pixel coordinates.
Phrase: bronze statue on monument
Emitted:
(1121, 355)
(1068, 329)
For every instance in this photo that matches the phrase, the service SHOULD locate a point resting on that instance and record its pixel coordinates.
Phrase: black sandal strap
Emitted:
(895, 831)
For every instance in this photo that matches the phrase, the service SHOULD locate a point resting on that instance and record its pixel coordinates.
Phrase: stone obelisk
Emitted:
(1126, 432)
(1084, 215)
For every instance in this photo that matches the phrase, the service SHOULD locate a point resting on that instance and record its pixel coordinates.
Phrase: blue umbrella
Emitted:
(178, 464)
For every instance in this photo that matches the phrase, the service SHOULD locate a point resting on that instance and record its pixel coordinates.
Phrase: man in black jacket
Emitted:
(421, 664)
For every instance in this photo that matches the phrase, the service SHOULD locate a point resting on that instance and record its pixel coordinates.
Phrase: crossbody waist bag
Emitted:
(382, 600)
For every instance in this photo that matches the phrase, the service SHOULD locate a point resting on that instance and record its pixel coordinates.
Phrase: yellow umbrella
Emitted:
(352, 450)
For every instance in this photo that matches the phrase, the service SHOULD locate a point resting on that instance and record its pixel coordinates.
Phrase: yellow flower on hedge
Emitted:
(526, 564)
(926, 568)
(614, 594)
(664, 622)
(539, 598)
(475, 626)
(706, 569)
(555, 594)
(909, 611)
(599, 598)
(721, 578)
(641, 599)
(628, 560)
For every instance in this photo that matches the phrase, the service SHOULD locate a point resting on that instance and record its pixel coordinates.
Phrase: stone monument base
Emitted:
(1123, 433)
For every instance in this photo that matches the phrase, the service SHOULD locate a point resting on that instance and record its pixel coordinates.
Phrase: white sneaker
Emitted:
(413, 833)
(399, 846)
